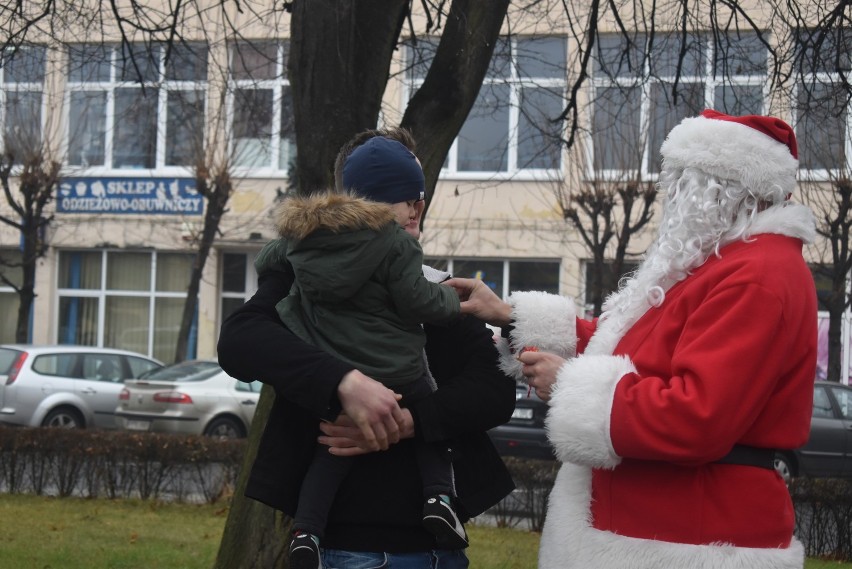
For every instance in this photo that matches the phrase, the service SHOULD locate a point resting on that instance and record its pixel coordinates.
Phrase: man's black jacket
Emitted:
(379, 506)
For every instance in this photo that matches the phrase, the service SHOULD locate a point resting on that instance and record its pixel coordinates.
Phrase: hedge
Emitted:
(117, 464)
(122, 464)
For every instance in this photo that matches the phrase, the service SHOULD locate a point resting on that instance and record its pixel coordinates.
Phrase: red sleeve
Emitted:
(585, 330)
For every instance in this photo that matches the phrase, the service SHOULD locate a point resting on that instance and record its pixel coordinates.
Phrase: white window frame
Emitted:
(102, 293)
(12, 255)
(516, 85)
(277, 85)
(504, 293)
(20, 87)
(249, 285)
(825, 78)
(646, 81)
(110, 87)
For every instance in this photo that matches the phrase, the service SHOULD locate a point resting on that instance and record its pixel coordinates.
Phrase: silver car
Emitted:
(65, 386)
(195, 397)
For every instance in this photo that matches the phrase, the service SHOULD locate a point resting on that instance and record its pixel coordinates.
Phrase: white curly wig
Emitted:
(720, 180)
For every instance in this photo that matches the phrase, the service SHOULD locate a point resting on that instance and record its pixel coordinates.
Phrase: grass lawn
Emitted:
(69, 533)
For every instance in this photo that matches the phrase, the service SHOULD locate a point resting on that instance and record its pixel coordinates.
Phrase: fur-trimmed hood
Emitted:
(336, 242)
(296, 218)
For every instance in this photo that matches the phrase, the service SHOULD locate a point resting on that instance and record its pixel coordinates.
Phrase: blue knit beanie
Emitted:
(384, 170)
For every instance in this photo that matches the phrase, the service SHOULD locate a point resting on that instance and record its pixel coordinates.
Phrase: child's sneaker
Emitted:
(304, 552)
(441, 520)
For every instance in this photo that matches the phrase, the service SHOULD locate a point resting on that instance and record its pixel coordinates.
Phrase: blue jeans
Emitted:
(436, 559)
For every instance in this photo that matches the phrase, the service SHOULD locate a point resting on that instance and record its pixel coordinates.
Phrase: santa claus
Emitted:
(667, 410)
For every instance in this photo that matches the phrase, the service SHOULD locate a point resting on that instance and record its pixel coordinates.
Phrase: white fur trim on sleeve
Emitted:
(545, 321)
(580, 406)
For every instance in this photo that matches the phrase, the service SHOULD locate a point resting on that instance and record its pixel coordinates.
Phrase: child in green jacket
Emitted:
(359, 293)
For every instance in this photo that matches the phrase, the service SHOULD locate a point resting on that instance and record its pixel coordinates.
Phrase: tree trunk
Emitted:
(340, 54)
(216, 200)
(26, 295)
(836, 308)
(255, 534)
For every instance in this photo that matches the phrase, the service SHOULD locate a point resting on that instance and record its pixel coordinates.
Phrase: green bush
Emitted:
(117, 464)
(533, 482)
(824, 516)
(121, 464)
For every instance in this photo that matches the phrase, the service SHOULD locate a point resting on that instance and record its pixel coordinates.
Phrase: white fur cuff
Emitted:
(546, 321)
(580, 407)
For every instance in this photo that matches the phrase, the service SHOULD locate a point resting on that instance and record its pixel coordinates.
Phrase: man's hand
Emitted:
(540, 370)
(345, 438)
(478, 299)
(372, 407)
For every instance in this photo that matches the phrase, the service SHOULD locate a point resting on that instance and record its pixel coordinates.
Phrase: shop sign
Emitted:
(157, 196)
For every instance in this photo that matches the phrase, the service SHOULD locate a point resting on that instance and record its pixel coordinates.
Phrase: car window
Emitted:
(822, 404)
(844, 400)
(103, 367)
(185, 372)
(56, 364)
(7, 358)
(138, 366)
(253, 387)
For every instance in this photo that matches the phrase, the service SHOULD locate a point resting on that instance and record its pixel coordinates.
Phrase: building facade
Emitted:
(130, 132)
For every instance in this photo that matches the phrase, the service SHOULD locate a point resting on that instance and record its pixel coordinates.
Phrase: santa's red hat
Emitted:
(757, 151)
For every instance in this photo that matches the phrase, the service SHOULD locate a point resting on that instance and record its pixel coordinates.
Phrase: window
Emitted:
(21, 96)
(610, 280)
(137, 107)
(127, 300)
(10, 270)
(264, 137)
(822, 404)
(239, 281)
(823, 120)
(504, 277)
(57, 364)
(844, 400)
(823, 274)
(636, 102)
(251, 387)
(514, 126)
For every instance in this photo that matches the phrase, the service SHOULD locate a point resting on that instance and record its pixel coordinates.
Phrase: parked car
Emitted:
(65, 386)
(194, 397)
(524, 435)
(828, 452)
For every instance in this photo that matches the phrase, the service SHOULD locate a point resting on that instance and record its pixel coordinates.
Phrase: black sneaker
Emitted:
(304, 552)
(441, 520)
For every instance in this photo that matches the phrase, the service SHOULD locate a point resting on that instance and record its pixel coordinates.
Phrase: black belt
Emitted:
(750, 456)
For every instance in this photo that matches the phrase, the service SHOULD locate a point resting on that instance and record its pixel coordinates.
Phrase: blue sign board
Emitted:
(158, 196)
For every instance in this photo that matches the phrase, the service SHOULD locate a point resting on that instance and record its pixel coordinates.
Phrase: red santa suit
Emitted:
(657, 394)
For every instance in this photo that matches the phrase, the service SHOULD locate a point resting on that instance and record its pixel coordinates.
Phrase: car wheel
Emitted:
(224, 428)
(784, 467)
(64, 418)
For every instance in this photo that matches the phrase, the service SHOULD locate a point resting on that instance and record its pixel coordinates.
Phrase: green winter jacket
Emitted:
(359, 291)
